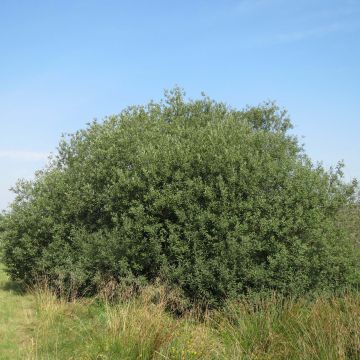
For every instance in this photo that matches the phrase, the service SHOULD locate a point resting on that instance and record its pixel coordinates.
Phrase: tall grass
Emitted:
(137, 328)
(277, 328)
(140, 327)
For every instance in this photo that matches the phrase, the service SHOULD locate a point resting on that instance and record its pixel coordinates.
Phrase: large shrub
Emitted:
(210, 199)
(349, 219)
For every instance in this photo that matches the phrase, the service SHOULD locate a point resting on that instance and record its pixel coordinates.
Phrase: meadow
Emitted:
(40, 325)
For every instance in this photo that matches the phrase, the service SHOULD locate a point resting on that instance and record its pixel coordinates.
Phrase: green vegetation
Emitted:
(274, 328)
(16, 320)
(214, 201)
(41, 326)
(200, 232)
(349, 221)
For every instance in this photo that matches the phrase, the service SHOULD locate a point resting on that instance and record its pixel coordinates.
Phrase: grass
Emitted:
(133, 329)
(275, 328)
(41, 326)
(16, 320)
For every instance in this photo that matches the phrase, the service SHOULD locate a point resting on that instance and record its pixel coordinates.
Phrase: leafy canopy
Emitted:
(210, 199)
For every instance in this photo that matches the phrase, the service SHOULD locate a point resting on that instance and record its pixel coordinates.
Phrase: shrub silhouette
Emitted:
(210, 199)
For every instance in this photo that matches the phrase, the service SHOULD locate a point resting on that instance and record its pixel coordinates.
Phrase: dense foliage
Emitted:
(349, 220)
(210, 199)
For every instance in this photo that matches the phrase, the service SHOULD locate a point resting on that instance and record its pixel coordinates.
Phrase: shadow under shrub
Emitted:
(211, 200)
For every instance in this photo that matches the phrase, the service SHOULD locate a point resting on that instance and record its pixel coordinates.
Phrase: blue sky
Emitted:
(63, 63)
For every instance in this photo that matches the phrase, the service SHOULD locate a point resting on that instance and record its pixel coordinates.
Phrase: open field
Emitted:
(40, 326)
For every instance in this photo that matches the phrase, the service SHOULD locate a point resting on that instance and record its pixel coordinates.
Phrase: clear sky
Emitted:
(63, 63)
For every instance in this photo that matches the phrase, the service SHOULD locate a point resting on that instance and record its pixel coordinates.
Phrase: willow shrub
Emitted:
(209, 199)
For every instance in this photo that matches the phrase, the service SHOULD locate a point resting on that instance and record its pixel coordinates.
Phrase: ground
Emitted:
(17, 312)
